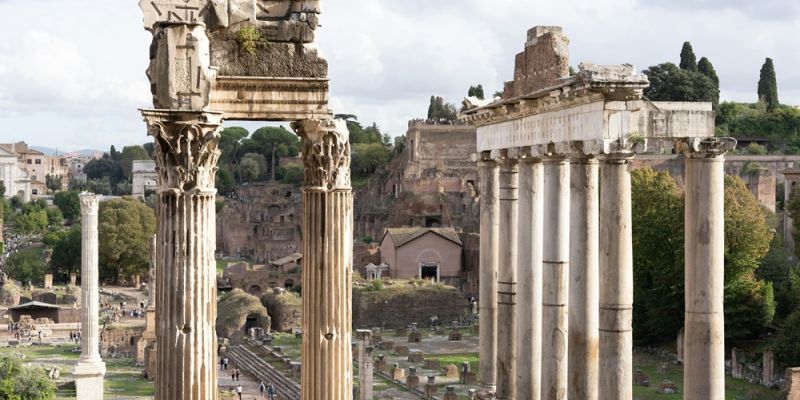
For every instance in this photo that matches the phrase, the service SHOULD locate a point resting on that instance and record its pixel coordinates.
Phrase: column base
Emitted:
(89, 380)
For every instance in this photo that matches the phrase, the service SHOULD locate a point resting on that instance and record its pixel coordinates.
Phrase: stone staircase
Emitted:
(247, 358)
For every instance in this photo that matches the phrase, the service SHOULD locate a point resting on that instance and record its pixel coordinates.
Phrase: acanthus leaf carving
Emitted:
(326, 153)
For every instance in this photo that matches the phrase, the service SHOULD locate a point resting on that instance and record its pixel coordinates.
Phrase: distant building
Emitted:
(427, 253)
(38, 166)
(144, 177)
(15, 179)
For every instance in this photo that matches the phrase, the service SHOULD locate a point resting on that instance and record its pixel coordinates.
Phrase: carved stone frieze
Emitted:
(326, 153)
(186, 151)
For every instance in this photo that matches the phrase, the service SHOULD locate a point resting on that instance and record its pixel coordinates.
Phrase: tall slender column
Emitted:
(555, 278)
(365, 367)
(616, 279)
(507, 280)
(584, 287)
(90, 369)
(186, 156)
(529, 278)
(704, 352)
(490, 234)
(327, 261)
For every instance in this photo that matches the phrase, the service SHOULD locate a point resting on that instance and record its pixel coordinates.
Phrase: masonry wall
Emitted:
(395, 307)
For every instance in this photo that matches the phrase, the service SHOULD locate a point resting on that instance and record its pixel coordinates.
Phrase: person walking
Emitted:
(239, 391)
(271, 391)
(261, 388)
(237, 374)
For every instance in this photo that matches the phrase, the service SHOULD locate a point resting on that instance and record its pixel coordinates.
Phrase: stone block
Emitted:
(401, 350)
(48, 281)
(793, 384)
(431, 390)
(401, 332)
(386, 345)
(640, 378)
(398, 374)
(416, 356)
(433, 363)
(412, 382)
(451, 371)
(455, 336)
(450, 394)
(89, 380)
(414, 337)
(469, 378)
(667, 387)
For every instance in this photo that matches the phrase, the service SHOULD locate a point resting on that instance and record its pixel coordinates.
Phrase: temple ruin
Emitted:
(216, 60)
(554, 161)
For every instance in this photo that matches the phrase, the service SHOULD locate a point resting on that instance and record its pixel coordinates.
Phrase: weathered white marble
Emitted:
(490, 233)
(507, 280)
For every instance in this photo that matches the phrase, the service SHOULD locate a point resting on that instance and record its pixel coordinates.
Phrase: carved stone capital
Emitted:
(90, 203)
(705, 147)
(326, 153)
(186, 150)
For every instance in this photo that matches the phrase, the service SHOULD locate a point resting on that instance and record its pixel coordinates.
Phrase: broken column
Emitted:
(555, 277)
(704, 352)
(365, 367)
(529, 278)
(507, 280)
(91, 369)
(149, 335)
(490, 234)
(583, 279)
(616, 278)
(327, 260)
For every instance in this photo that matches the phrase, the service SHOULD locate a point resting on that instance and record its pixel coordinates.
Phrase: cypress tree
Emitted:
(432, 107)
(706, 68)
(688, 59)
(768, 86)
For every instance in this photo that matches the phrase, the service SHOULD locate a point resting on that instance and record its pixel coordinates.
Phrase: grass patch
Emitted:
(457, 359)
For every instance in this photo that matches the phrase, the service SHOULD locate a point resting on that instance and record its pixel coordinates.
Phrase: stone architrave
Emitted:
(490, 233)
(90, 369)
(704, 353)
(327, 260)
(584, 271)
(507, 280)
(186, 157)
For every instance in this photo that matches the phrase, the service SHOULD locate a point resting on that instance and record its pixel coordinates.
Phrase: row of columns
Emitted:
(561, 224)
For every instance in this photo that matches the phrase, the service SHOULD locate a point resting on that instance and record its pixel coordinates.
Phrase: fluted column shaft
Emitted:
(616, 280)
(529, 278)
(704, 352)
(583, 279)
(186, 155)
(327, 261)
(490, 234)
(90, 295)
(555, 278)
(507, 281)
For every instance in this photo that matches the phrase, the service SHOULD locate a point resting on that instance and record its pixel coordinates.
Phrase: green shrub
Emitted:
(248, 38)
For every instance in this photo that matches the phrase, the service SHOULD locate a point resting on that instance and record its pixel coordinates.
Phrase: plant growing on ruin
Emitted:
(248, 38)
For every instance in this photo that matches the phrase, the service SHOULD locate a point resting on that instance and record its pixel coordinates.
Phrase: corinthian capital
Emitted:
(186, 150)
(90, 203)
(326, 153)
(705, 147)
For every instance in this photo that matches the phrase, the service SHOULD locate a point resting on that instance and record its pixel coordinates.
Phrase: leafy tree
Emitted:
(32, 221)
(688, 59)
(66, 255)
(229, 142)
(2, 188)
(18, 382)
(114, 155)
(439, 110)
(104, 168)
(253, 166)
(150, 148)
(293, 174)
(126, 227)
(366, 158)
(69, 203)
(705, 67)
(476, 91)
(768, 86)
(225, 181)
(786, 348)
(129, 155)
(272, 143)
(26, 265)
(54, 217)
(53, 182)
(670, 83)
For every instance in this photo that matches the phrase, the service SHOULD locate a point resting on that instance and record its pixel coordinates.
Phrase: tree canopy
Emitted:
(129, 155)
(18, 382)
(688, 59)
(768, 86)
(66, 251)
(69, 203)
(440, 111)
(126, 228)
(26, 265)
(476, 91)
(670, 83)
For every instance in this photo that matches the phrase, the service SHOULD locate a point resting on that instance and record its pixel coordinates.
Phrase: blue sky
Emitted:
(72, 71)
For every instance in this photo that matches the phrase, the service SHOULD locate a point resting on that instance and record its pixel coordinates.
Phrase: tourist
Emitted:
(237, 374)
(225, 363)
(271, 391)
(261, 388)
(239, 391)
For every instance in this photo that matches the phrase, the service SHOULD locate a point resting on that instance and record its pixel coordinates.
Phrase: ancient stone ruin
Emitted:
(212, 60)
(554, 163)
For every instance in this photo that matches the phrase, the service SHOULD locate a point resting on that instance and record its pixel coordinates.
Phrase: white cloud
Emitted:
(72, 72)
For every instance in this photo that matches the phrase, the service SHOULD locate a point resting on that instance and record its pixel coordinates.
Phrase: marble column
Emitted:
(584, 311)
(704, 335)
(529, 280)
(507, 280)
(186, 156)
(365, 365)
(327, 261)
(616, 279)
(490, 234)
(555, 278)
(90, 369)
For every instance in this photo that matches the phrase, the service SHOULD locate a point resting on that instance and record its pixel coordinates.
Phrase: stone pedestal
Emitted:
(507, 281)
(583, 280)
(490, 234)
(186, 155)
(792, 384)
(616, 279)
(555, 278)
(327, 260)
(90, 369)
(704, 353)
(529, 278)
(48, 281)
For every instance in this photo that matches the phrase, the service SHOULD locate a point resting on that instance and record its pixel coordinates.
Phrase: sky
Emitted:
(72, 72)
